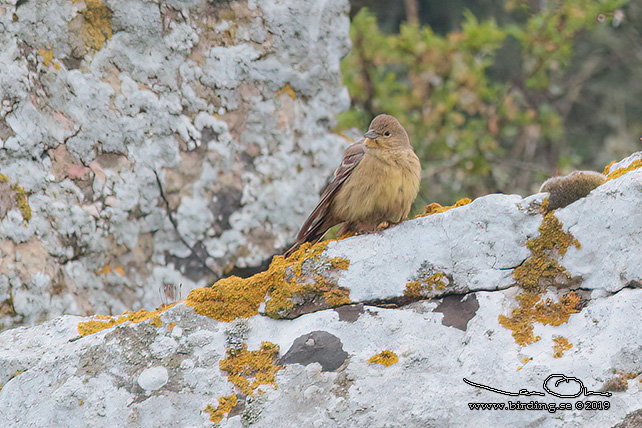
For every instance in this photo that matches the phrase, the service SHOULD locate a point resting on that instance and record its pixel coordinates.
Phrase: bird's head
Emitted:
(385, 132)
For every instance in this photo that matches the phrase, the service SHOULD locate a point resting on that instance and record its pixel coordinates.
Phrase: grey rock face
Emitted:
(158, 145)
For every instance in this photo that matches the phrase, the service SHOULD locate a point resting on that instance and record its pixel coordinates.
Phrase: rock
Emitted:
(153, 378)
(150, 148)
(491, 302)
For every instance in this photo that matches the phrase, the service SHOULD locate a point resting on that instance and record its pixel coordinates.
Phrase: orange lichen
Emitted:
(385, 358)
(104, 270)
(608, 168)
(248, 370)
(537, 272)
(102, 322)
(621, 171)
(542, 268)
(225, 404)
(282, 283)
(435, 208)
(561, 345)
(531, 310)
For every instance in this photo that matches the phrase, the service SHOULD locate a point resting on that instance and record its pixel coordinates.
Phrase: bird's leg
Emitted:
(383, 225)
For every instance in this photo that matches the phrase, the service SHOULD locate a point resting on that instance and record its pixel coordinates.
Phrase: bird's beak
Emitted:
(371, 134)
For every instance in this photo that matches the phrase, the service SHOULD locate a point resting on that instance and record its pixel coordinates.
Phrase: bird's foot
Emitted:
(383, 225)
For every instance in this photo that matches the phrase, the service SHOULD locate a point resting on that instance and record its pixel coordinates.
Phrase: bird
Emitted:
(377, 181)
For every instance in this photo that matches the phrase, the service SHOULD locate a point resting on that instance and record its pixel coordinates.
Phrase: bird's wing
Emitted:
(317, 223)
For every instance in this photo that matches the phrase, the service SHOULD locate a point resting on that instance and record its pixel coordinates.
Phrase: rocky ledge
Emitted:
(494, 301)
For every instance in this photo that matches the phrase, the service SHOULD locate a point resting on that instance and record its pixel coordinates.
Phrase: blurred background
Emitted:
(499, 95)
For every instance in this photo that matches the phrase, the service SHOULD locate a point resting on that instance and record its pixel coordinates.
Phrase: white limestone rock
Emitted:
(50, 376)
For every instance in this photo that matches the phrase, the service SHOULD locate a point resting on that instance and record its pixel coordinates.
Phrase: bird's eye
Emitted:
(387, 133)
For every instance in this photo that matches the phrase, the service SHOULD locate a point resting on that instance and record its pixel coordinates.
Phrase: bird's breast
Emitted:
(379, 190)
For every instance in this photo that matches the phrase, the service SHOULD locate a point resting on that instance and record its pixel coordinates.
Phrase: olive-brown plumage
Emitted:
(377, 181)
(567, 189)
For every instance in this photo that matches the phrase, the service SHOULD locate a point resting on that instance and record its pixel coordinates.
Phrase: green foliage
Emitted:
(473, 133)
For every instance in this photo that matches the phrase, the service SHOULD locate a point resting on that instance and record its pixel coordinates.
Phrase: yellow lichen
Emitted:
(561, 345)
(225, 404)
(248, 370)
(156, 321)
(421, 288)
(621, 171)
(102, 322)
(435, 208)
(415, 289)
(541, 268)
(531, 310)
(525, 361)
(385, 358)
(97, 25)
(608, 168)
(47, 56)
(20, 196)
(537, 272)
(104, 270)
(287, 90)
(282, 283)
(23, 203)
